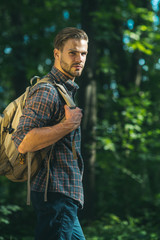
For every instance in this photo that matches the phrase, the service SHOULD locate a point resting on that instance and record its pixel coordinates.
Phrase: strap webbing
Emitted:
(29, 179)
(1, 131)
(47, 179)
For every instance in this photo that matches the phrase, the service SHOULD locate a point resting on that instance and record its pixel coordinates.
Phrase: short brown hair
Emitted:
(68, 33)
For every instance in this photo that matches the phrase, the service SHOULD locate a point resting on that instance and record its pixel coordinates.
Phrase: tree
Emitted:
(88, 101)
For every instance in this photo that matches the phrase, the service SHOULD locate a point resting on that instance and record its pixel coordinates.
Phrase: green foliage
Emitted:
(111, 227)
(128, 106)
(129, 125)
(27, 32)
(15, 224)
(5, 211)
(126, 160)
(17, 220)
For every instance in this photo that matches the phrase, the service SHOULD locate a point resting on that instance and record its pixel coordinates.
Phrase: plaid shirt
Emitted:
(45, 107)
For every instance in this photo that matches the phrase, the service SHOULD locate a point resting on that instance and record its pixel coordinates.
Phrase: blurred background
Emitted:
(120, 95)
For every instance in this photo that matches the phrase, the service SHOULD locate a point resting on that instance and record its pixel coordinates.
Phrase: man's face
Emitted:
(72, 58)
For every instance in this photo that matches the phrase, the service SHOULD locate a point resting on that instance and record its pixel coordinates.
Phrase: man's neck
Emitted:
(63, 72)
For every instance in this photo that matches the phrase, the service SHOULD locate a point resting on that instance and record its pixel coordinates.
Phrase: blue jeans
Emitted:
(57, 218)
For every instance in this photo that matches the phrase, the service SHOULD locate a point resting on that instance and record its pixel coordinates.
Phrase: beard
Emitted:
(70, 70)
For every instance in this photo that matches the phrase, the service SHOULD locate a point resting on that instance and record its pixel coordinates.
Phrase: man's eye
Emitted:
(72, 53)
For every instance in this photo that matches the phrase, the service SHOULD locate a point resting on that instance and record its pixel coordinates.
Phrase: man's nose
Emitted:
(79, 58)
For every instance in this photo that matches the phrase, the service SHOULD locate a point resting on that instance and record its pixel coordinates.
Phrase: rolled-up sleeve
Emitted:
(40, 109)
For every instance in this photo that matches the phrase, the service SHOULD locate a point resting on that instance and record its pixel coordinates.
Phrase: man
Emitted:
(40, 127)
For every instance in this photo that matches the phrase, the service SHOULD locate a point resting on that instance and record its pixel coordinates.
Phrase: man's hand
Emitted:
(73, 116)
(39, 138)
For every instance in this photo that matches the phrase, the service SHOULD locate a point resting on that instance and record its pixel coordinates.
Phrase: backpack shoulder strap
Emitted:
(61, 89)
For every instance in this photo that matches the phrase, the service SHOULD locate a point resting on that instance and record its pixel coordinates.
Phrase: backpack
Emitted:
(16, 166)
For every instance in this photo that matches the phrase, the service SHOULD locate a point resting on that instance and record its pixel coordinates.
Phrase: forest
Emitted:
(119, 94)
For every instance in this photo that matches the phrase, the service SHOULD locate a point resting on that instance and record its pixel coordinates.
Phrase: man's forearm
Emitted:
(39, 138)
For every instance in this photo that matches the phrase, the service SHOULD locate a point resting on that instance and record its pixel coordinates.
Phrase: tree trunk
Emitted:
(88, 102)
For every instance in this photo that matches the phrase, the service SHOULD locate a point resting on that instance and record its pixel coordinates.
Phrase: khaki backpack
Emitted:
(22, 167)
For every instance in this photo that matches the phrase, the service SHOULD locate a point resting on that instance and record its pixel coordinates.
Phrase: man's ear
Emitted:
(56, 53)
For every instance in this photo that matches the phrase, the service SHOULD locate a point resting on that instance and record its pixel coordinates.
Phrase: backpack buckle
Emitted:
(21, 158)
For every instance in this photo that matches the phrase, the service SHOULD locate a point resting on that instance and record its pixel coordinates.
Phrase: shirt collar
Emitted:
(61, 77)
